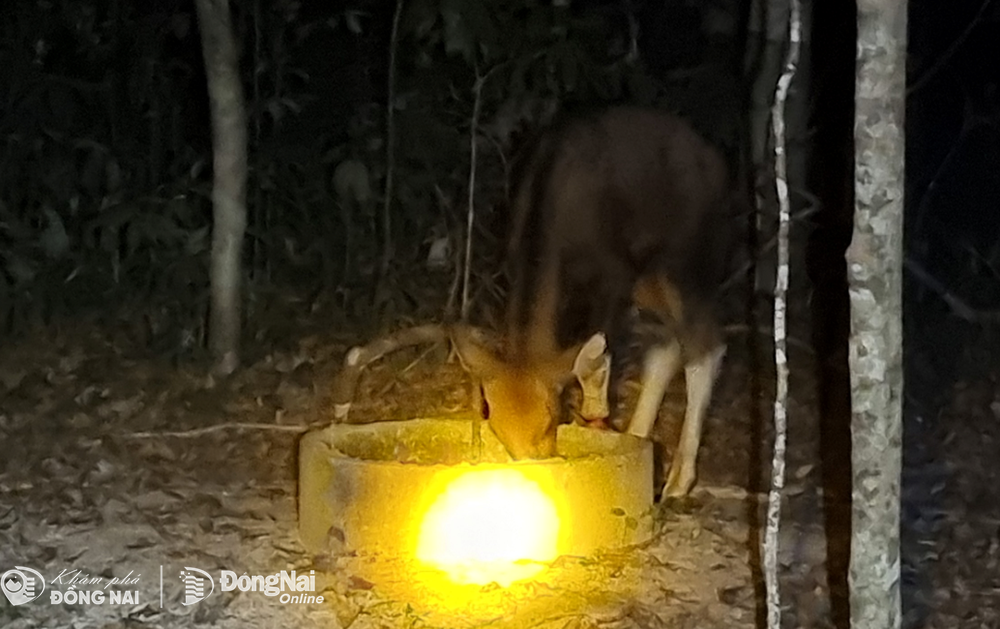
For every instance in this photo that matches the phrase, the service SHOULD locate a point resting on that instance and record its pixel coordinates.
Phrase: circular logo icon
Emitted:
(21, 585)
(13, 582)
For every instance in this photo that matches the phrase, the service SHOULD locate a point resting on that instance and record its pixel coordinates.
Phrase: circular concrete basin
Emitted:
(373, 488)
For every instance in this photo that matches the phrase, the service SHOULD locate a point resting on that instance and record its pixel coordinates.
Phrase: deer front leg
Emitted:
(700, 375)
(658, 369)
(592, 368)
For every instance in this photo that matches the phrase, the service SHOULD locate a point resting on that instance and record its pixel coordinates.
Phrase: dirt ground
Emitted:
(119, 465)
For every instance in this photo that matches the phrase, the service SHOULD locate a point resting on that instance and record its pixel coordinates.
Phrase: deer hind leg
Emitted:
(700, 375)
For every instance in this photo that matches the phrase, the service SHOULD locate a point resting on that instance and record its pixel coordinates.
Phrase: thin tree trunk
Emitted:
(257, 251)
(390, 147)
(477, 92)
(781, 178)
(229, 147)
(875, 273)
(769, 26)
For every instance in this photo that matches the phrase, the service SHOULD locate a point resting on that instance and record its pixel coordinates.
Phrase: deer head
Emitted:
(521, 396)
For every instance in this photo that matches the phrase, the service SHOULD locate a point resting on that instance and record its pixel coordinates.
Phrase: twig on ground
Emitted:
(197, 432)
(727, 492)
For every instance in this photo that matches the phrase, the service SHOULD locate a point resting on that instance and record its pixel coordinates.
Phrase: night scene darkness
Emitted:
(529, 314)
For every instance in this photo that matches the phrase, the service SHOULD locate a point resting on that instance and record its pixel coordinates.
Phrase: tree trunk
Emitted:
(875, 273)
(390, 159)
(769, 34)
(229, 146)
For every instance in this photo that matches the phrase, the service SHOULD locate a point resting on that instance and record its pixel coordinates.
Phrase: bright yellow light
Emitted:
(490, 526)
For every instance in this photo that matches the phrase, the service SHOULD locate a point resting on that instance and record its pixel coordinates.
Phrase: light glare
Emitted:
(490, 526)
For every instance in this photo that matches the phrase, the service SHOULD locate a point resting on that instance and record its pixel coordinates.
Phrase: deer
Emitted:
(621, 211)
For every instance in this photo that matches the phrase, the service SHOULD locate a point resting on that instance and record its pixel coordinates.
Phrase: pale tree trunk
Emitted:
(768, 34)
(781, 178)
(875, 273)
(229, 147)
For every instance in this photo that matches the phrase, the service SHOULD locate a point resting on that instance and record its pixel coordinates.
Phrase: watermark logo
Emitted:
(22, 585)
(198, 585)
(87, 589)
(289, 587)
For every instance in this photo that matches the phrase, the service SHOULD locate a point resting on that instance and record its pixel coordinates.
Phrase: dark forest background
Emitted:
(105, 160)
(106, 155)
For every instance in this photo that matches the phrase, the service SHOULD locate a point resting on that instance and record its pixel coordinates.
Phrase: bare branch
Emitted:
(948, 54)
(958, 305)
(471, 213)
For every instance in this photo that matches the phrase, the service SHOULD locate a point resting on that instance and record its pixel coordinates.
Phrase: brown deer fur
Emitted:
(626, 208)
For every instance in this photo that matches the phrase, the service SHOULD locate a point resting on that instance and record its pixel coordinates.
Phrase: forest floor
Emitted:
(119, 465)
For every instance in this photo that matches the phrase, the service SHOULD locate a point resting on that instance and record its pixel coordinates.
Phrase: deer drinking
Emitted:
(627, 208)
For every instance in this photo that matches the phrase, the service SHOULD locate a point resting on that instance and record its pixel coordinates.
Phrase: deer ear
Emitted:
(592, 368)
(472, 348)
(590, 356)
(581, 361)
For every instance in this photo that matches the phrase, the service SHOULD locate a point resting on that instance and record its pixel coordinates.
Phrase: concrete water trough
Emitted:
(408, 489)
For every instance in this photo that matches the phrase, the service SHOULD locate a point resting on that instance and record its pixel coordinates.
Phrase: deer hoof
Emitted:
(680, 480)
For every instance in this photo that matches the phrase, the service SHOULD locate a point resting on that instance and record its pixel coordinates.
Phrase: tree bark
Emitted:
(875, 273)
(229, 147)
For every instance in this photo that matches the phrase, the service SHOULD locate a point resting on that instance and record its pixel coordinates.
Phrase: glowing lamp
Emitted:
(490, 526)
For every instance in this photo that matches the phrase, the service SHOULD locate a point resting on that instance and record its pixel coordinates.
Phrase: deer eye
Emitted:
(484, 405)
